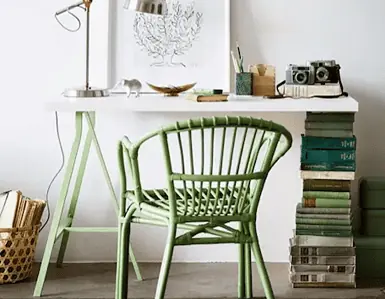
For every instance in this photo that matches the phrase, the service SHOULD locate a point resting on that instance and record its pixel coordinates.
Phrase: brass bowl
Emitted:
(171, 91)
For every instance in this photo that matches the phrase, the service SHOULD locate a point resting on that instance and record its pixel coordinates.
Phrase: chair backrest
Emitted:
(217, 166)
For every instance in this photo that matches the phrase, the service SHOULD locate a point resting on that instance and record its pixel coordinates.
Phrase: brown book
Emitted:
(207, 98)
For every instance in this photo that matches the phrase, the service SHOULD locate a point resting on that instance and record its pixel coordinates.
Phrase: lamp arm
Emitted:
(79, 4)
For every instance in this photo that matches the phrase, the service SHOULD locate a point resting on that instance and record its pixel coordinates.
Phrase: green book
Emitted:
(309, 125)
(315, 156)
(306, 232)
(325, 203)
(322, 221)
(329, 133)
(322, 210)
(326, 194)
(346, 216)
(330, 117)
(324, 227)
(326, 185)
(322, 166)
(311, 142)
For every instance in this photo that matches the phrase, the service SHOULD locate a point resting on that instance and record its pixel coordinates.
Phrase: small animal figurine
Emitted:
(130, 86)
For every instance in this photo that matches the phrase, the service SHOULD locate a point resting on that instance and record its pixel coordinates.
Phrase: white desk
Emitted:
(159, 103)
(87, 108)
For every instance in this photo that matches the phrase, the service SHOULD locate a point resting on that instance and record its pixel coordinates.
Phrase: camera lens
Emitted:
(300, 77)
(322, 74)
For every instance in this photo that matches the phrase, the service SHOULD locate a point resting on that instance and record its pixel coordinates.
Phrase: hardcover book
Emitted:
(326, 185)
(313, 142)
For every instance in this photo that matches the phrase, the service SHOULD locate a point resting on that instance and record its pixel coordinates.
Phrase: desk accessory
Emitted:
(263, 79)
(157, 7)
(244, 83)
(171, 91)
(320, 78)
(130, 86)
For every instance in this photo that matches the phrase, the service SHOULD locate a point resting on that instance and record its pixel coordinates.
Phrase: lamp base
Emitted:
(82, 92)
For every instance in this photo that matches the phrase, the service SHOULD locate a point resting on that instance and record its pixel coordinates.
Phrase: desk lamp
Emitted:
(156, 7)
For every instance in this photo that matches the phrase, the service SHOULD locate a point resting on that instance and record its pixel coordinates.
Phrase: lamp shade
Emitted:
(156, 7)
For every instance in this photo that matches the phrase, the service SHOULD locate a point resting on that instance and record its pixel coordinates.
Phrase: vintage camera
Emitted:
(300, 74)
(325, 71)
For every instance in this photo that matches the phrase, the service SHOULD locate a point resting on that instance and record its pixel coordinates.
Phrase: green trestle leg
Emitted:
(62, 227)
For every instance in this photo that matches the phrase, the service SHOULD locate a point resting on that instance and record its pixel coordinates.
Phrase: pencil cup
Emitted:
(244, 84)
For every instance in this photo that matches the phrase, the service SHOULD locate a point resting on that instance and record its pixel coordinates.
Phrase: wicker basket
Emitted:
(17, 252)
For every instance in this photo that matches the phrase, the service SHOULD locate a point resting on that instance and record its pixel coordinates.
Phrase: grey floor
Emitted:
(190, 281)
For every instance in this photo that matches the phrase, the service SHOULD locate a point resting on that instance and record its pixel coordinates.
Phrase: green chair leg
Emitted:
(248, 273)
(241, 267)
(264, 276)
(124, 261)
(166, 263)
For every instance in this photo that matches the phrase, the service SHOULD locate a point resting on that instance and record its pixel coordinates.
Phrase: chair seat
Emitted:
(213, 203)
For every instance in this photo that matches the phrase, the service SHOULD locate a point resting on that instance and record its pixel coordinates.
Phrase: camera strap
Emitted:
(343, 93)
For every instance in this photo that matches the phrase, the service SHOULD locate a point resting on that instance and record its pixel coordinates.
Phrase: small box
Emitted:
(373, 223)
(244, 84)
(263, 79)
(370, 253)
(372, 192)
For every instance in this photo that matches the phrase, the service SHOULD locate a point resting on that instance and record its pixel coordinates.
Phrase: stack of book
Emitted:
(322, 251)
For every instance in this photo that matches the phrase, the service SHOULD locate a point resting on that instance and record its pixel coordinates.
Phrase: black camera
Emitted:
(325, 71)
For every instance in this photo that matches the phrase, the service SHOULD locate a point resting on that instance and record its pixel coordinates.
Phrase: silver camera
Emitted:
(300, 75)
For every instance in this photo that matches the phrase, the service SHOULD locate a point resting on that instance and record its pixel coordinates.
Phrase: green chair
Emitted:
(216, 169)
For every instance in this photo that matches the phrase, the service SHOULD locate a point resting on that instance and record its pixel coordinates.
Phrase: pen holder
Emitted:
(244, 83)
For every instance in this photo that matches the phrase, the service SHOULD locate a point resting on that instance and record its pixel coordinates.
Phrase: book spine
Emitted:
(324, 227)
(323, 260)
(346, 167)
(343, 269)
(321, 241)
(325, 233)
(329, 133)
(333, 175)
(310, 156)
(321, 251)
(318, 221)
(314, 142)
(345, 217)
(310, 125)
(338, 285)
(326, 194)
(326, 185)
(322, 277)
(330, 117)
(325, 203)
(303, 210)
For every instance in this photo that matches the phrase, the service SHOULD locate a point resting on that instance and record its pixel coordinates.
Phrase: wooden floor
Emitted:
(190, 281)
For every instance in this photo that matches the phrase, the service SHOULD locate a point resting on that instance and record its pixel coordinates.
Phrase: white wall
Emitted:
(38, 59)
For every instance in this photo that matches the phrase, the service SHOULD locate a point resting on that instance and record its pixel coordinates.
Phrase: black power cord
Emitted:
(57, 173)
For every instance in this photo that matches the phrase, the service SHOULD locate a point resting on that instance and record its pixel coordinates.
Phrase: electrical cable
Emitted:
(57, 173)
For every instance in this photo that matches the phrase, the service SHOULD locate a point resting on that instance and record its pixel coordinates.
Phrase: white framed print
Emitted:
(190, 44)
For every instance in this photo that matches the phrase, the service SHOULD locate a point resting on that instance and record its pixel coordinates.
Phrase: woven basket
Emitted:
(17, 252)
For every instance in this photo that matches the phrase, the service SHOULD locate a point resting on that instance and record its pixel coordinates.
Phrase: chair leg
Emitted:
(166, 263)
(248, 272)
(123, 260)
(260, 262)
(241, 267)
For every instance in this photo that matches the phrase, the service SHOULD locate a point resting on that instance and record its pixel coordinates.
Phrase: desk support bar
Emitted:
(58, 226)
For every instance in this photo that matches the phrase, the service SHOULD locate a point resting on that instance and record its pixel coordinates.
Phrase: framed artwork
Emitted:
(190, 44)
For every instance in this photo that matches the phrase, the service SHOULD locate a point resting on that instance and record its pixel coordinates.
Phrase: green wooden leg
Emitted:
(241, 267)
(124, 262)
(260, 263)
(75, 195)
(166, 263)
(89, 117)
(59, 207)
(248, 273)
